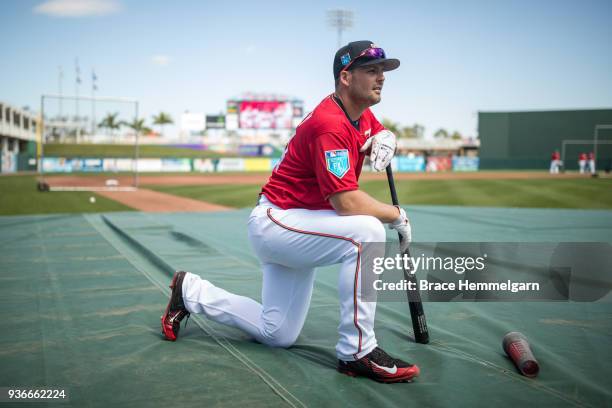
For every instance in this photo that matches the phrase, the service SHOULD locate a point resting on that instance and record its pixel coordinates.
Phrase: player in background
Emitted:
(582, 162)
(555, 162)
(311, 213)
(591, 158)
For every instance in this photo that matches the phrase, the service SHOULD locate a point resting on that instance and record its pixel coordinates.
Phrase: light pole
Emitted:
(340, 20)
(60, 79)
(94, 88)
(77, 83)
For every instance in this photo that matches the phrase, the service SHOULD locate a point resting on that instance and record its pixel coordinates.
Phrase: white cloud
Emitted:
(162, 60)
(250, 50)
(78, 8)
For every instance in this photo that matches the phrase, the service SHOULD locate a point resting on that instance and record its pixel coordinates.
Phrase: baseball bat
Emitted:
(417, 314)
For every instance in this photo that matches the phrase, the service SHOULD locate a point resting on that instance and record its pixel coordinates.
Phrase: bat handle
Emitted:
(394, 199)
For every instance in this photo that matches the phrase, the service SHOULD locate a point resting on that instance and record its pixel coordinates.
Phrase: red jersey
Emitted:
(582, 156)
(556, 156)
(321, 159)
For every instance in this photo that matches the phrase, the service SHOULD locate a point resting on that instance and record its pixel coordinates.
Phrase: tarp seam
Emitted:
(274, 385)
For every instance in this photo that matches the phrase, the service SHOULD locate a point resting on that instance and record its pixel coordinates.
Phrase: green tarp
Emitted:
(82, 296)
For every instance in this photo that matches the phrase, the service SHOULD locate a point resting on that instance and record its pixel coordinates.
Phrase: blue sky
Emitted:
(458, 57)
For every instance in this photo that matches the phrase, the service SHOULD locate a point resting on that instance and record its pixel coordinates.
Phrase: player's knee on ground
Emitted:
(275, 335)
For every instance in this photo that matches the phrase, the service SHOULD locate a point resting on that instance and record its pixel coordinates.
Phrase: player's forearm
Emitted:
(359, 203)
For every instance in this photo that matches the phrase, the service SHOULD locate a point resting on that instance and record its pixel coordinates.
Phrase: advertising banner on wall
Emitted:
(9, 162)
(259, 164)
(178, 165)
(231, 164)
(234, 164)
(410, 164)
(249, 150)
(115, 165)
(90, 165)
(205, 165)
(257, 150)
(63, 165)
(465, 163)
(145, 165)
(439, 163)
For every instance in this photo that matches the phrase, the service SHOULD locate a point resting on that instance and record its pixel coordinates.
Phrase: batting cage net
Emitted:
(88, 143)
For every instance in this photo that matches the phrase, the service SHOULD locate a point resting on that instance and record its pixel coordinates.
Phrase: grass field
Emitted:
(232, 195)
(112, 150)
(18, 196)
(567, 193)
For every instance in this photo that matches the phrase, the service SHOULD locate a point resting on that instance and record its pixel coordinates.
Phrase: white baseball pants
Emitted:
(290, 244)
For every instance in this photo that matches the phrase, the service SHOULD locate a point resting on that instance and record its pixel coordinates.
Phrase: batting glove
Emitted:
(402, 225)
(383, 148)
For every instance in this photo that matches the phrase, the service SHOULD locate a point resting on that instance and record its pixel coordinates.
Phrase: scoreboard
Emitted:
(260, 113)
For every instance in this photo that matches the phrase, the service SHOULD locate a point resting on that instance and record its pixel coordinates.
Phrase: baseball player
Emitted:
(555, 162)
(582, 161)
(311, 213)
(591, 163)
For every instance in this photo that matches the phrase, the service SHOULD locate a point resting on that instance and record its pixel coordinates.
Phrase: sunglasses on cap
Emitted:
(372, 52)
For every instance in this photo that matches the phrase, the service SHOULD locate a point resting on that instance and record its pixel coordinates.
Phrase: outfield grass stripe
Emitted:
(19, 194)
(563, 193)
(566, 194)
(234, 195)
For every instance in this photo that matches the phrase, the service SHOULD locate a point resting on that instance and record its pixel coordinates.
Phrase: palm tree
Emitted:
(162, 119)
(407, 132)
(110, 122)
(415, 131)
(456, 135)
(138, 125)
(391, 126)
(441, 134)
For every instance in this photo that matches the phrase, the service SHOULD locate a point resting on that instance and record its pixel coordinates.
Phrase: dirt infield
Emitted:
(152, 201)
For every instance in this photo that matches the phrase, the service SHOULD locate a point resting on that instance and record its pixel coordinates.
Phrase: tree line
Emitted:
(111, 122)
(417, 131)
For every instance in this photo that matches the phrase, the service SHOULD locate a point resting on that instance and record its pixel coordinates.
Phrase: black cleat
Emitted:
(380, 367)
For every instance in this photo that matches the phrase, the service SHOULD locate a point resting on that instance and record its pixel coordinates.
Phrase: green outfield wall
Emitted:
(526, 140)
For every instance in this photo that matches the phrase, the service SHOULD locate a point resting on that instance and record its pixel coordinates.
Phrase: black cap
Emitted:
(352, 51)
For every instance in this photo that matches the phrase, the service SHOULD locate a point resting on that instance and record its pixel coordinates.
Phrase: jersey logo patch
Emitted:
(337, 162)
